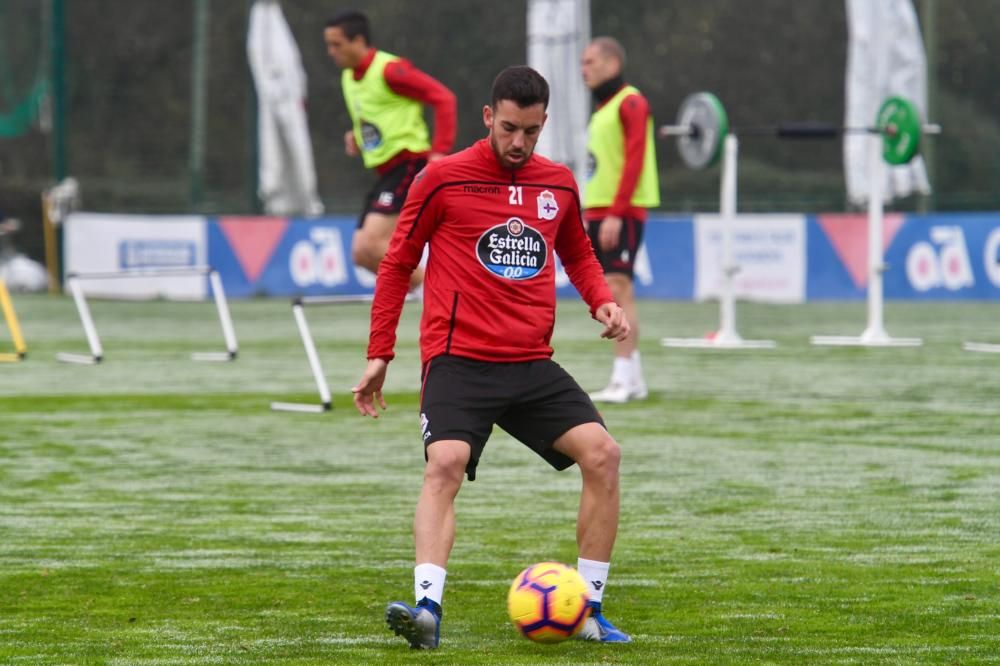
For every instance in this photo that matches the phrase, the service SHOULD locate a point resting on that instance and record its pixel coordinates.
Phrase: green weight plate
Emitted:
(899, 123)
(705, 115)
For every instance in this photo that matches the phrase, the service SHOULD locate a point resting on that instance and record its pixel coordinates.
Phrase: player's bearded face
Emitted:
(514, 131)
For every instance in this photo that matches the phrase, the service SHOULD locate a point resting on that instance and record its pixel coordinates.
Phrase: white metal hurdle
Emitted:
(298, 311)
(874, 334)
(727, 337)
(986, 347)
(90, 330)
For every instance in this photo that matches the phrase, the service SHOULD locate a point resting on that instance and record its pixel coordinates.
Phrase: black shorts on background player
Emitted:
(389, 193)
(620, 259)
(536, 402)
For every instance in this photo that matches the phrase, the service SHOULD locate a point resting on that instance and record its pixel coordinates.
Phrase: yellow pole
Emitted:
(15, 329)
(49, 234)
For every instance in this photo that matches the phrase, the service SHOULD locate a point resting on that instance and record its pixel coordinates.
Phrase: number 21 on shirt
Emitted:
(516, 198)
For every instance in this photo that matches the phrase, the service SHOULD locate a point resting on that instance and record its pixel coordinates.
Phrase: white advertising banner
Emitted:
(103, 244)
(768, 250)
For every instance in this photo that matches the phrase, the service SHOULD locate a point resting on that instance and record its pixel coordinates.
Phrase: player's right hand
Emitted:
(369, 388)
(616, 326)
(351, 144)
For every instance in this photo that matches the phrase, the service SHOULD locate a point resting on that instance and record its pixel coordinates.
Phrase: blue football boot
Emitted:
(597, 628)
(420, 625)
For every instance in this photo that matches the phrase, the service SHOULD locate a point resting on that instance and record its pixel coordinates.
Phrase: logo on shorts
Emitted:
(371, 138)
(547, 206)
(512, 250)
(385, 199)
(425, 426)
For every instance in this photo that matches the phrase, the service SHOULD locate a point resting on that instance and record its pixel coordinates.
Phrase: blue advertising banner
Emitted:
(940, 256)
(927, 257)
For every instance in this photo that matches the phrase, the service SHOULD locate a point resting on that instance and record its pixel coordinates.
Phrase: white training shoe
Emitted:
(638, 391)
(614, 392)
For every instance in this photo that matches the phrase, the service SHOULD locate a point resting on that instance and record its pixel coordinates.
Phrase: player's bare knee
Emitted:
(602, 459)
(359, 250)
(445, 469)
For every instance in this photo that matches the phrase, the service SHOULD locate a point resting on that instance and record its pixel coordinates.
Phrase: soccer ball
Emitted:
(548, 602)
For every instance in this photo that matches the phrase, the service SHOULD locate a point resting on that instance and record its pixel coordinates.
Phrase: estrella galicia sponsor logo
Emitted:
(371, 138)
(512, 250)
(481, 189)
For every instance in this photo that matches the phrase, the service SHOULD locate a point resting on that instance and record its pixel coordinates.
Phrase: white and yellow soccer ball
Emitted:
(547, 602)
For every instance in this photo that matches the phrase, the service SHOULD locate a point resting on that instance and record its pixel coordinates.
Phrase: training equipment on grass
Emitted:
(547, 602)
(987, 347)
(702, 126)
(10, 317)
(73, 282)
(298, 311)
(726, 337)
(874, 334)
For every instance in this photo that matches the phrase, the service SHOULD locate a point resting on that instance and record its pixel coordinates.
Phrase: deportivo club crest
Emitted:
(371, 137)
(513, 250)
(547, 206)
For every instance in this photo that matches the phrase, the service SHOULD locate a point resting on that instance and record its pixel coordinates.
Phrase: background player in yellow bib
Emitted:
(385, 95)
(622, 184)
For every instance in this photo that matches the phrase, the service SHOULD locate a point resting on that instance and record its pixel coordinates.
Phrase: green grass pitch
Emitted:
(795, 506)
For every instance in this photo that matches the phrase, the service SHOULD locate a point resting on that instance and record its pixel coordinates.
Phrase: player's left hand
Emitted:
(615, 324)
(369, 388)
(434, 157)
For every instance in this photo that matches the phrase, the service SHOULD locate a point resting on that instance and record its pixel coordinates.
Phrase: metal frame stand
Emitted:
(874, 334)
(726, 337)
(90, 330)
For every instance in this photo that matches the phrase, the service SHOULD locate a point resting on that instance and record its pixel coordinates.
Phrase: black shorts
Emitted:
(621, 259)
(536, 402)
(389, 193)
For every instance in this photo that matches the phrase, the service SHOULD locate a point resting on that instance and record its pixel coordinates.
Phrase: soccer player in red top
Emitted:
(622, 183)
(385, 97)
(493, 215)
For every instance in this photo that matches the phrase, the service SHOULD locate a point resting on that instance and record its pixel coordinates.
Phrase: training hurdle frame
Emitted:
(20, 349)
(319, 377)
(90, 330)
(874, 334)
(726, 337)
(299, 313)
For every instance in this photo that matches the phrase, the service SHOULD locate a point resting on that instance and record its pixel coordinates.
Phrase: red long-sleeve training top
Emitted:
(489, 286)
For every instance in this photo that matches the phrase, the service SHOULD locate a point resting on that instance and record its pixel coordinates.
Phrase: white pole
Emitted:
(727, 209)
(875, 331)
(300, 319)
(874, 334)
(726, 337)
(88, 322)
(228, 332)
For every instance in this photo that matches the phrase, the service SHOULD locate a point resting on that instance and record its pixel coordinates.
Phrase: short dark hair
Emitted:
(611, 48)
(521, 85)
(352, 23)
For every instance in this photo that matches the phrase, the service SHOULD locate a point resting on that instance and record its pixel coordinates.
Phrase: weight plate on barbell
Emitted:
(898, 121)
(704, 114)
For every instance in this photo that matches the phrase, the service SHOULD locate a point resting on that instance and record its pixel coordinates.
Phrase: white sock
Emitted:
(596, 575)
(621, 371)
(636, 368)
(428, 581)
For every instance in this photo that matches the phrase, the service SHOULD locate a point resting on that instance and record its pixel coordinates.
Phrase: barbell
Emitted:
(702, 125)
